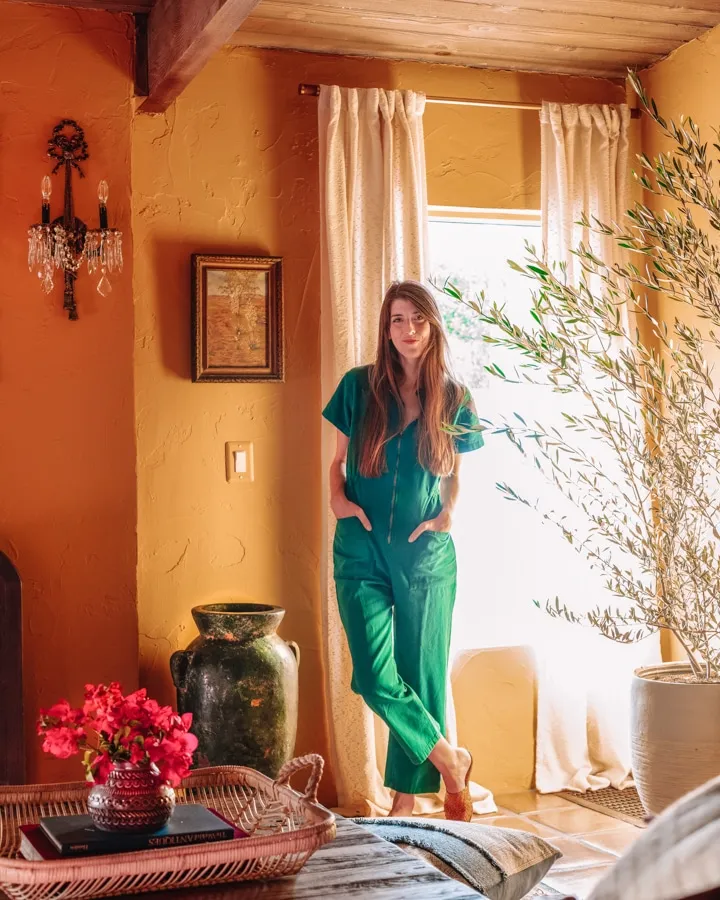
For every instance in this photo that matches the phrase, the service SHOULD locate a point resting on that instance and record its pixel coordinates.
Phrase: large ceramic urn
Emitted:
(239, 679)
(675, 733)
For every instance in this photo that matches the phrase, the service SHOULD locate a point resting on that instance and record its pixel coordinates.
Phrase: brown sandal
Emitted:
(458, 805)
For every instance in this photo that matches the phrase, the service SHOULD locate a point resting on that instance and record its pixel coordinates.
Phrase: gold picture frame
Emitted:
(237, 318)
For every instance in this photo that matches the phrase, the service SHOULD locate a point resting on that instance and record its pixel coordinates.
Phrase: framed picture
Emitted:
(237, 318)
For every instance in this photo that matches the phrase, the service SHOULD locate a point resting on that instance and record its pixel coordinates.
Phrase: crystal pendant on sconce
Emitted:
(40, 249)
(103, 249)
(48, 282)
(103, 286)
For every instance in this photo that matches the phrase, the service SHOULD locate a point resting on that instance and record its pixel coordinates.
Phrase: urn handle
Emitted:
(179, 663)
(302, 762)
(295, 649)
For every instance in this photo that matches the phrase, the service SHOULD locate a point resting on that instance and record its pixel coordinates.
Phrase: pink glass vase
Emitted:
(134, 798)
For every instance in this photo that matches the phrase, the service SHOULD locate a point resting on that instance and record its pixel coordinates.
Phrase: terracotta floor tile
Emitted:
(500, 811)
(578, 855)
(519, 823)
(574, 820)
(616, 841)
(576, 881)
(531, 801)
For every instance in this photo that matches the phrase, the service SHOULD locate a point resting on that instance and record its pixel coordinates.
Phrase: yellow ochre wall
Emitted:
(232, 168)
(683, 84)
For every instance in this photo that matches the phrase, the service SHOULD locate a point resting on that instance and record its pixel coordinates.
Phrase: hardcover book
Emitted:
(77, 836)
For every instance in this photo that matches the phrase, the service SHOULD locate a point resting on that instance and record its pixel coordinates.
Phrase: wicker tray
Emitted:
(285, 829)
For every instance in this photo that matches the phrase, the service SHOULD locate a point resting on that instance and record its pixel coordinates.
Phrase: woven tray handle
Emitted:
(302, 762)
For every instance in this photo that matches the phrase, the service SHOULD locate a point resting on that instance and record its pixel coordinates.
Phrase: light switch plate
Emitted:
(239, 465)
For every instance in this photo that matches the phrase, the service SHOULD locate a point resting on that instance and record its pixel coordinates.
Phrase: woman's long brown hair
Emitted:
(440, 395)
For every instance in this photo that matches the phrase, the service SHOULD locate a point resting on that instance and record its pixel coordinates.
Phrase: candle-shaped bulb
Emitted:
(103, 192)
(46, 188)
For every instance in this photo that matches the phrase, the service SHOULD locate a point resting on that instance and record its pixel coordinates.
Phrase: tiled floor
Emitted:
(589, 841)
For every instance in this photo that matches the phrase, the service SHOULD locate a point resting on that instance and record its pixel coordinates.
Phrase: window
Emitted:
(473, 253)
(507, 557)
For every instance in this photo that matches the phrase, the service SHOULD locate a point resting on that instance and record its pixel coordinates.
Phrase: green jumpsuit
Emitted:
(396, 598)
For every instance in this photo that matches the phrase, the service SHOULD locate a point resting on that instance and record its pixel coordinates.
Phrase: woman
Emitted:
(394, 559)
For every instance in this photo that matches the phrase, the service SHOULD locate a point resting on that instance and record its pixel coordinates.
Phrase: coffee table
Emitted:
(355, 865)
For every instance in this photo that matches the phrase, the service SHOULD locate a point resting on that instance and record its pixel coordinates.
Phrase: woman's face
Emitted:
(409, 329)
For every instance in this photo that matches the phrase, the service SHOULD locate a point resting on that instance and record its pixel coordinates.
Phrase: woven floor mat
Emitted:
(624, 805)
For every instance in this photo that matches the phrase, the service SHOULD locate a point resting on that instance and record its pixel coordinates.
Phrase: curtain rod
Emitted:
(313, 90)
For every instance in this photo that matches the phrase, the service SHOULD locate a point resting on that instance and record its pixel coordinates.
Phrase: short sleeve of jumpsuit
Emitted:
(396, 598)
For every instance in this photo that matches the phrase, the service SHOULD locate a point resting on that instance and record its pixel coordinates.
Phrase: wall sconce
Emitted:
(66, 242)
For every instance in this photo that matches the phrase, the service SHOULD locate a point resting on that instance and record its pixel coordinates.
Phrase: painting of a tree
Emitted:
(236, 303)
(237, 318)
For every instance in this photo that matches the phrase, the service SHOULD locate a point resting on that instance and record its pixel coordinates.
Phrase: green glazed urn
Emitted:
(239, 680)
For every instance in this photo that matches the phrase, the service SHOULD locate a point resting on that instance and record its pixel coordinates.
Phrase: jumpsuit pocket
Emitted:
(352, 550)
(433, 559)
(441, 537)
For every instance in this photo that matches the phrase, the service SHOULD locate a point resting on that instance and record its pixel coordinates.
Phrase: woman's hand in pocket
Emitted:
(345, 509)
(441, 522)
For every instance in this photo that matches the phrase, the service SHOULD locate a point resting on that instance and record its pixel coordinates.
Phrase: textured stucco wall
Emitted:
(490, 158)
(232, 168)
(684, 84)
(67, 449)
(228, 169)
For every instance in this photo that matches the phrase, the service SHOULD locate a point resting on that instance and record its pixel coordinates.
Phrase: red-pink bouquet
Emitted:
(111, 727)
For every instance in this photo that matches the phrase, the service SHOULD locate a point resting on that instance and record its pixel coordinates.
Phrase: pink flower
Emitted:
(137, 753)
(61, 713)
(114, 727)
(62, 742)
(101, 767)
(102, 704)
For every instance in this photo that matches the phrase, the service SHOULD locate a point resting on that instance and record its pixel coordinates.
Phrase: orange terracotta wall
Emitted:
(232, 168)
(67, 449)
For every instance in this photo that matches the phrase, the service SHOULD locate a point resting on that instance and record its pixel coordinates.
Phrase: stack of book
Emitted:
(61, 837)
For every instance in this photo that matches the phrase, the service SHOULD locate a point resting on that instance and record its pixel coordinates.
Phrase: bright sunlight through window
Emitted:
(507, 557)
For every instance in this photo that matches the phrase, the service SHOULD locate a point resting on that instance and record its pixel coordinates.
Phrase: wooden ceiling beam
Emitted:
(181, 38)
(691, 12)
(515, 54)
(371, 51)
(475, 18)
(445, 30)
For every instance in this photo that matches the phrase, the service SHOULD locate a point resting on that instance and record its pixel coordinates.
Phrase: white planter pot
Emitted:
(675, 735)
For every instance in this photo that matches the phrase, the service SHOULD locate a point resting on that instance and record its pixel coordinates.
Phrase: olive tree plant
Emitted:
(649, 402)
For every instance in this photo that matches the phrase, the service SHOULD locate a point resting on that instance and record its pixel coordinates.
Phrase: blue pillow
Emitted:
(502, 863)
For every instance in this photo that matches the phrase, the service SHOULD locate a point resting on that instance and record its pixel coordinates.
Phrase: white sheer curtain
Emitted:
(373, 231)
(584, 169)
(584, 679)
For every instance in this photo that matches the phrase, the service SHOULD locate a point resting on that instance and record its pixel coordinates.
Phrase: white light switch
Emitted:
(239, 461)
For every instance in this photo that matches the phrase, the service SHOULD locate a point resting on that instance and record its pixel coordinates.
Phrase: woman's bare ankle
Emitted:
(455, 777)
(403, 804)
(452, 764)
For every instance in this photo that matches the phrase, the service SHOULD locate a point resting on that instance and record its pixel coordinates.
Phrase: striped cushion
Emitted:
(502, 863)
